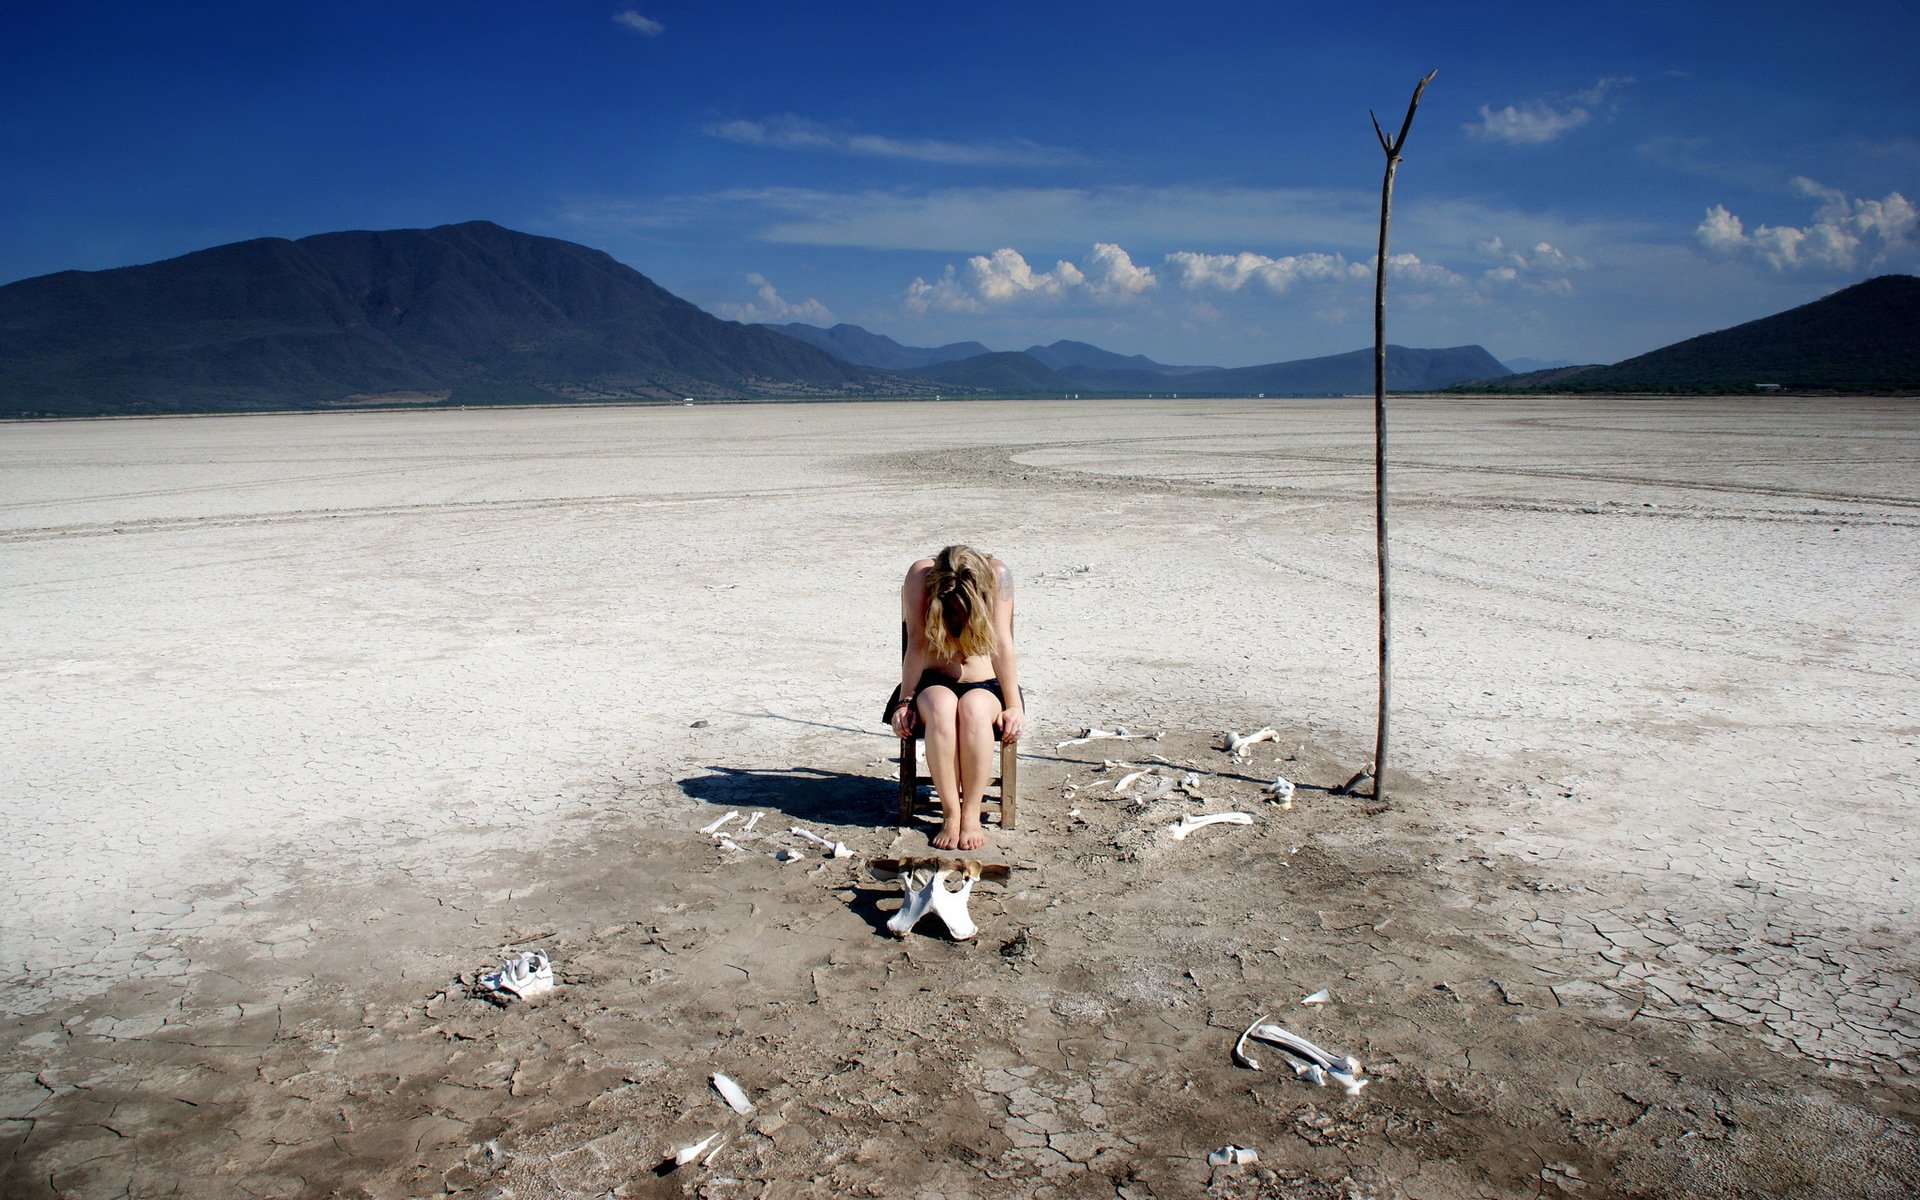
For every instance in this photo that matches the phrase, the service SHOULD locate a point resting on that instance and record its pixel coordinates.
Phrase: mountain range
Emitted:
(1864, 338)
(477, 314)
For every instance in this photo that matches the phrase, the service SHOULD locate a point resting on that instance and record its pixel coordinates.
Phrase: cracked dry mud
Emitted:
(311, 718)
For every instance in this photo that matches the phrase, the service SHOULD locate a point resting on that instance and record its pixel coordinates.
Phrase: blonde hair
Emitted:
(961, 592)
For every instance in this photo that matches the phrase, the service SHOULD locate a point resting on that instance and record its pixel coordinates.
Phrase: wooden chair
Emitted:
(1008, 779)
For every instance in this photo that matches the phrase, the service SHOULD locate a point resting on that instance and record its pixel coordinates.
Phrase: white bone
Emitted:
(1240, 1056)
(1161, 787)
(751, 822)
(1232, 1156)
(1242, 747)
(1118, 733)
(786, 855)
(723, 842)
(1319, 997)
(687, 1154)
(1281, 791)
(1128, 780)
(925, 881)
(732, 1093)
(1320, 1065)
(834, 849)
(1192, 821)
(714, 826)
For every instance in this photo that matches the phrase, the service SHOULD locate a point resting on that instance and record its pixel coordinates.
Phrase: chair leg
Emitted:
(1009, 782)
(909, 777)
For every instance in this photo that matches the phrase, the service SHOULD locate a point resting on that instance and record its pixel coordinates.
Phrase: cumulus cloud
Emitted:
(1538, 121)
(1545, 267)
(1231, 272)
(639, 24)
(768, 305)
(1843, 235)
(791, 132)
(1006, 277)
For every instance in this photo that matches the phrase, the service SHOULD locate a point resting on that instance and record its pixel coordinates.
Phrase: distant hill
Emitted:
(858, 346)
(463, 313)
(1063, 355)
(1010, 372)
(1408, 370)
(1860, 339)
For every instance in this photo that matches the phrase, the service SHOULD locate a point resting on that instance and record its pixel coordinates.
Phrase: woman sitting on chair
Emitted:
(959, 680)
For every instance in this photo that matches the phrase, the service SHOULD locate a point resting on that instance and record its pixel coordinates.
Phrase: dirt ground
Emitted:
(311, 718)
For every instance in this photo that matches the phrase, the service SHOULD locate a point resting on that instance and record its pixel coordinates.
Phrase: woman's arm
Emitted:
(913, 615)
(1006, 661)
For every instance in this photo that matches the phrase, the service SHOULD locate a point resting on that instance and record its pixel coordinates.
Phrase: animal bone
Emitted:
(1161, 787)
(1281, 791)
(1118, 733)
(1242, 747)
(687, 1154)
(1345, 1069)
(1192, 821)
(1319, 997)
(723, 842)
(1128, 780)
(925, 881)
(1240, 1056)
(714, 826)
(834, 849)
(751, 822)
(1231, 1155)
(732, 1093)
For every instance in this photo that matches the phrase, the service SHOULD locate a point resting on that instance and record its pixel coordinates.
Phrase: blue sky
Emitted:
(1195, 181)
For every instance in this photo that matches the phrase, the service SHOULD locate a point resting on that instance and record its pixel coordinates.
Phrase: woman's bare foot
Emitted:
(955, 836)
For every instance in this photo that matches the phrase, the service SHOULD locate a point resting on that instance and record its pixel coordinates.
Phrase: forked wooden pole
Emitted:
(1392, 149)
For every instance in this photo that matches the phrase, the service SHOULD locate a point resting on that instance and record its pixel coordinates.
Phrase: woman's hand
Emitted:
(1012, 721)
(903, 719)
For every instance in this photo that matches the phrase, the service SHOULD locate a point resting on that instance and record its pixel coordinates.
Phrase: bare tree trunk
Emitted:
(1392, 149)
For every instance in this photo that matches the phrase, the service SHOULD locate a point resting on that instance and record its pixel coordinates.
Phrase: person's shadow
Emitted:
(803, 793)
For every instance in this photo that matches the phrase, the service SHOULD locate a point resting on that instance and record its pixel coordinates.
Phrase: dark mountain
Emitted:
(1008, 373)
(467, 313)
(1408, 370)
(1860, 339)
(857, 345)
(1063, 355)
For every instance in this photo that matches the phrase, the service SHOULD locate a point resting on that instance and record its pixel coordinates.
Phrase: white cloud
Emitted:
(1544, 268)
(1409, 269)
(1231, 272)
(790, 132)
(769, 305)
(1843, 235)
(1006, 277)
(1111, 273)
(1538, 121)
(639, 24)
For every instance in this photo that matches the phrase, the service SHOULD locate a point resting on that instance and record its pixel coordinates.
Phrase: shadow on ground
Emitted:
(803, 793)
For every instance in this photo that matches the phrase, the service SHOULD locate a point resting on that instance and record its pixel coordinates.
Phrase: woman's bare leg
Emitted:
(979, 709)
(939, 712)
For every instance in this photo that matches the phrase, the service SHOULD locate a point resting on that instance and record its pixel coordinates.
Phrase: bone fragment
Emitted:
(732, 1093)
(714, 826)
(1231, 1155)
(1280, 791)
(723, 842)
(1319, 997)
(1320, 1065)
(687, 1154)
(834, 849)
(925, 881)
(1240, 1056)
(1242, 747)
(1192, 821)
(1128, 780)
(1161, 787)
(751, 822)
(1118, 733)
